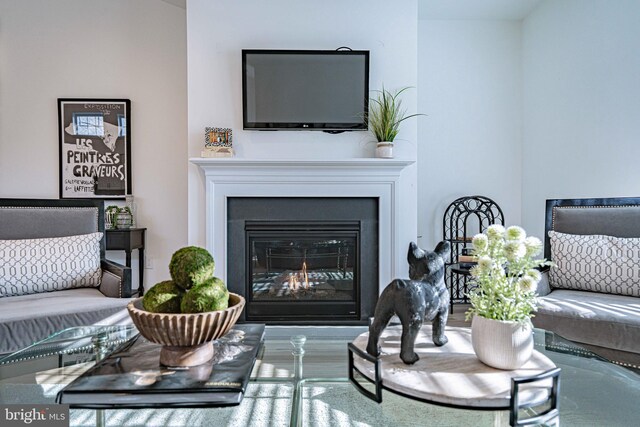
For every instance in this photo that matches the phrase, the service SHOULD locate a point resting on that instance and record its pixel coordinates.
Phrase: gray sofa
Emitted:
(604, 322)
(27, 318)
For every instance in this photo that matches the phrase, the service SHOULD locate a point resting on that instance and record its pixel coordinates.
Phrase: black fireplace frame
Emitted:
(300, 310)
(355, 215)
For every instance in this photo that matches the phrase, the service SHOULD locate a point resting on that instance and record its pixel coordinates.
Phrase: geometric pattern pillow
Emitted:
(596, 263)
(29, 266)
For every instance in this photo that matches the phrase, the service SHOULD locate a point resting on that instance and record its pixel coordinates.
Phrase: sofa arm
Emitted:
(116, 279)
(543, 285)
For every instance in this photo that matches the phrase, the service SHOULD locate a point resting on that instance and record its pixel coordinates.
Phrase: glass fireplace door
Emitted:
(295, 273)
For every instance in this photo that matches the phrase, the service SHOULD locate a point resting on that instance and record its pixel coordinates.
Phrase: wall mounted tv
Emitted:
(324, 90)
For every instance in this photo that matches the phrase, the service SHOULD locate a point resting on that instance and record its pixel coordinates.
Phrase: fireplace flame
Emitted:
(299, 279)
(306, 277)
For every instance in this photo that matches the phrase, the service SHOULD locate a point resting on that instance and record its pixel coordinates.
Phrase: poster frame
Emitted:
(96, 105)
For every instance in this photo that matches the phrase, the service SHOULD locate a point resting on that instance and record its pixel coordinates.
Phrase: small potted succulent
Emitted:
(385, 115)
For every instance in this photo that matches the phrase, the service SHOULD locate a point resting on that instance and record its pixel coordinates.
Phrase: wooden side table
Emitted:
(128, 239)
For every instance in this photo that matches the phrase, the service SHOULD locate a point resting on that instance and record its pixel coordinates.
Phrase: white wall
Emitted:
(218, 31)
(470, 142)
(102, 49)
(581, 123)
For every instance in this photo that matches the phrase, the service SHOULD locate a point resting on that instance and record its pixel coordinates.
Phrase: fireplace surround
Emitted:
(391, 182)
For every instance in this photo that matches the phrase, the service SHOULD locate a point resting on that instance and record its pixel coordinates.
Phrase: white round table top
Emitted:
(451, 374)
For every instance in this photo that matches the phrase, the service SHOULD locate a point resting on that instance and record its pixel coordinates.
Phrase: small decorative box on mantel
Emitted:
(218, 142)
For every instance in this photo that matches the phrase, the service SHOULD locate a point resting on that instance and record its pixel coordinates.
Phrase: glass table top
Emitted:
(593, 391)
(75, 340)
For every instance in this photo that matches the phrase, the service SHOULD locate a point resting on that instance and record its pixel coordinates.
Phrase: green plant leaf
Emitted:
(502, 281)
(386, 114)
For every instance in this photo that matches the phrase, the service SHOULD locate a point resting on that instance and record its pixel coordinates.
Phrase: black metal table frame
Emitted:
(548, 415)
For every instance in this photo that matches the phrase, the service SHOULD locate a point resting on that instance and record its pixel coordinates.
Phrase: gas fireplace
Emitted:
(304, 260)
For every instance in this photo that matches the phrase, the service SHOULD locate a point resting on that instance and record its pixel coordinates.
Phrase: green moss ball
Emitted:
(191, 266)
(212, 295)
(163, 297)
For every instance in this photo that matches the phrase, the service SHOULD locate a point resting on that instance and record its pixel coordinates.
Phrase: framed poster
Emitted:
(95, 148)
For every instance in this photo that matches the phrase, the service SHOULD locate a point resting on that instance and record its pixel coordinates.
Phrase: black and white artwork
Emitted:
(95, 148)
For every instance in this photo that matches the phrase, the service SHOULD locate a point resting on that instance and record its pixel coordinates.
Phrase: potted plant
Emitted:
(118, 217)
(385, 115)
(504, 298)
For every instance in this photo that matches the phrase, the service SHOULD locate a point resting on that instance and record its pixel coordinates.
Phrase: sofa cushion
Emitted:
(604, 320)
(29, 266)
(28, 318)
(47, 218)
(595, 263)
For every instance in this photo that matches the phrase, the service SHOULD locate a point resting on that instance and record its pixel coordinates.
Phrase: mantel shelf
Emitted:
(238, 162)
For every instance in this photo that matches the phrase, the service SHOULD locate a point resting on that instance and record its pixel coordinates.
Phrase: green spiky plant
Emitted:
(386, 114)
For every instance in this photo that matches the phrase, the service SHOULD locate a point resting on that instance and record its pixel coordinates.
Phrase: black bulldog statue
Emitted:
(423, 297)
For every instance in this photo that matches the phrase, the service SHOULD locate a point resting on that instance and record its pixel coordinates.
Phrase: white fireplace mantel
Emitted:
(366, 177)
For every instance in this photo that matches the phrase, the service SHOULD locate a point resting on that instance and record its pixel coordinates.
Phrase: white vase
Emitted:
(123, 220)
(502, 344)
(384, 150)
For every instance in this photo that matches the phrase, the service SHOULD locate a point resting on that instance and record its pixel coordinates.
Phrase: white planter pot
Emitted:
(384, 150)
(123, 220)
(501, 344)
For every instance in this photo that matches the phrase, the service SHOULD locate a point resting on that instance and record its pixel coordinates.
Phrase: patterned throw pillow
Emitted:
(30, 266)
(595, 263)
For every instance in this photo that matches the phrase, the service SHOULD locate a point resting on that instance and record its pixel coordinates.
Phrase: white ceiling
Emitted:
(476, 9)
(458, 9)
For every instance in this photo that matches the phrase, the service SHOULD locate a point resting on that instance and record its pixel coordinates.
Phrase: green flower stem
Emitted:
(504, 274)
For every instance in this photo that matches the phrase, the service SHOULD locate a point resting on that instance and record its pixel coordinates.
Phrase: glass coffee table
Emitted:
(301, 379)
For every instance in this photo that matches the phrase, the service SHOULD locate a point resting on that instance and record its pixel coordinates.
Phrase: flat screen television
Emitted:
(324, 90)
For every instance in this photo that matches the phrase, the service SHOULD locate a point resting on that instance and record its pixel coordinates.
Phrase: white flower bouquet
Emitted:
(505, 276)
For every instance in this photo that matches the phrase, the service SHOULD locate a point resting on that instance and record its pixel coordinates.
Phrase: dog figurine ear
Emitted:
(415, 253)
(443, 249)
